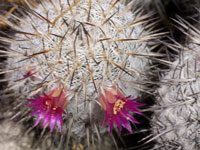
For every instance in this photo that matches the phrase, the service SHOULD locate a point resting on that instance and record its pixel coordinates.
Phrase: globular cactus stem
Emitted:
(175, 122)
(61, 54)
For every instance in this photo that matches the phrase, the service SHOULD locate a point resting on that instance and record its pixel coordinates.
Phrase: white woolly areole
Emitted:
(79, 46)
(176, 122)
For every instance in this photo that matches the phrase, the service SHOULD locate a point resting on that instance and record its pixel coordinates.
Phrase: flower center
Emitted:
(50, 105)
(118, 105)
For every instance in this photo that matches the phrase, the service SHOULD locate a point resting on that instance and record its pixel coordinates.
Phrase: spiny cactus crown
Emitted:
(78, 44)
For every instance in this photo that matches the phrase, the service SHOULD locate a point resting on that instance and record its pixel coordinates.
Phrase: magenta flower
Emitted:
(116, 108)
(49, 108)
(30, 73)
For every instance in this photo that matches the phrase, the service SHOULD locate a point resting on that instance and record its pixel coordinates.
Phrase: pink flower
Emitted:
(116, 107)
(30, 73)
(50, 108)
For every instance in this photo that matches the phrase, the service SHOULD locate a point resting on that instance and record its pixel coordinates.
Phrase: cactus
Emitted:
(61, 54)
(175, 122)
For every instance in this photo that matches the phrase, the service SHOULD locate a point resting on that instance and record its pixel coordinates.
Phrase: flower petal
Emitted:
(129, 116)
(110, 126)
(40, 117)
(46, 120)
(52, 123)
(127, 126)
(118, 123)
(59, 124)
(34, 112)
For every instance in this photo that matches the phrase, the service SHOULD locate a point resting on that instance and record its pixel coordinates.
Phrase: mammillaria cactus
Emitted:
(61, 54)
(175, 121)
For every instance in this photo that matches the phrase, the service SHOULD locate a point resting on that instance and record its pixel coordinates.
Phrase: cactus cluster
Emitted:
(76, 73)
(69, 62)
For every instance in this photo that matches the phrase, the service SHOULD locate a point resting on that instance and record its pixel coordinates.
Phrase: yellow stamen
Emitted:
(54, 108)
(119, 104)
(47, 103)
